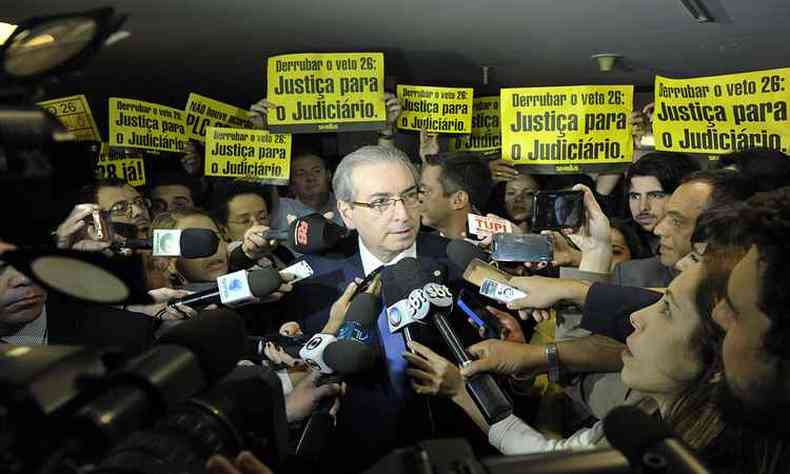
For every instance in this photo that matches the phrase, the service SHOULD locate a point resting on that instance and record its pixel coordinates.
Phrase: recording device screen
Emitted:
(555, 210)
(474, 309)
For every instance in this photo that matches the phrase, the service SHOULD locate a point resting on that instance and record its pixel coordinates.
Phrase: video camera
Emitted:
(167, 410)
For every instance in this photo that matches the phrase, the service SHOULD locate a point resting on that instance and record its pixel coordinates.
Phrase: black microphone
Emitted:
(433, 301)
(187, 243)
(351, 354)
(230, 289)
(461, 253)
(649, 445)
(185, 360)
(314, 233)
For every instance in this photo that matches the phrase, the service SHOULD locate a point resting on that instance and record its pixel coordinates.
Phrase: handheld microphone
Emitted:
(187, 243)
(313, 233)
(649, 445)
(235, 288)
(434, 301)
(350, 354)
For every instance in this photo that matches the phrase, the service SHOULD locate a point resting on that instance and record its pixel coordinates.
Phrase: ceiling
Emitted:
(219, 48)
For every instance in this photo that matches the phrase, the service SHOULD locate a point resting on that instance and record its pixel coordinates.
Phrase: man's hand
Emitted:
(286, 287)
(506, 358)
(543, 293)
(337, 313)
(393, 106)
(259, 111)
(429, 144)
(160, 309)
(245, 463)
(75, 233)
(502, 171)
(432, 374)
(254, 244)
(301, 402)
(512, 329)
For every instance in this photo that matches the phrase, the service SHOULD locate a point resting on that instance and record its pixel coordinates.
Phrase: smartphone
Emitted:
(556, 210)
(522, 248)
(473, 308)
(299, 270)
(478, 271)
(98, 226)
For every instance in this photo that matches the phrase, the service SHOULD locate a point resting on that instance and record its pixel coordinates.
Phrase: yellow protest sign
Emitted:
(203, 112)
(326, 92)
(435, 109)
(121, 163)
(722, 114)
(567, 129)
(138, 124)
(75, 114)
(486, 134)
(243, 153)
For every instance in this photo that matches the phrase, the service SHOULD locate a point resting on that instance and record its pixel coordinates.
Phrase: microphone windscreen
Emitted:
(631, 431)
(198, 243)
(264, 282)
(313, 233)
(398, 280)
(461, 253)
(349, 357)
(364, 309)
(217, 338)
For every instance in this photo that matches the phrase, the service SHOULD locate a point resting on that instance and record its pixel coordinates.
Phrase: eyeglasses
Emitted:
(124, 208)
(410, 199)
(160, 205)
(259, 218)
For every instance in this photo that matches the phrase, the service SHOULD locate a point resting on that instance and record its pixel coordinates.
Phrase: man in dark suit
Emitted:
(29, 315)
(378, 197)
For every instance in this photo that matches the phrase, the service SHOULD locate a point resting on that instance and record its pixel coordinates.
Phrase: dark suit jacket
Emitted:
(643, 272)
(72, 322)
(372, 420)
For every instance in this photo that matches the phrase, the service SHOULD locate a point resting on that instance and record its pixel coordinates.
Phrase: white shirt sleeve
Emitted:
(513, 436)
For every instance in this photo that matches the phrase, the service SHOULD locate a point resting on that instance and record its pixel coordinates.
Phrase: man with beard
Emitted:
(648, 183)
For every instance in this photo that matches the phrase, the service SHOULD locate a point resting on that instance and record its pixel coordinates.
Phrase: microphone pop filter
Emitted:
(398, 280)
(364, 309)
(313, 233)
(264, 282)
(348, 357)
(198, 243)
(461, 253)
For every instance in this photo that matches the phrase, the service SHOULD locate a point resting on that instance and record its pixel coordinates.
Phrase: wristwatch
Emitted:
(553, 360)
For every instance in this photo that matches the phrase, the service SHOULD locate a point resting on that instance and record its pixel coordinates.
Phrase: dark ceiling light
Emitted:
(697, 10)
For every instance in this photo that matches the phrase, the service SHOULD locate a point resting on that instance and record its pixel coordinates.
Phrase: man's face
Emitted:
(125, 205)
(309, 177)
(245, 211)
(21, 301)
(748, 369)
(519, 195)
(662, 357)
(169, 197)
(436, 207)
(676, 227)
(208, 268)
(389, 233)
(647, 201)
